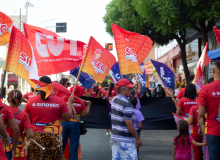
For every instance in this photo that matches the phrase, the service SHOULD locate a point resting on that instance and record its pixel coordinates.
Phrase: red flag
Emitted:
(53, 54)
(132, 49)
(61, 91)
(97, 61)
(5, 25)
(19, 60)
(217, 34)
(199, 78)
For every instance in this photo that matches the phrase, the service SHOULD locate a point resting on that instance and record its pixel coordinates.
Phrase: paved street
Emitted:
(157, 144)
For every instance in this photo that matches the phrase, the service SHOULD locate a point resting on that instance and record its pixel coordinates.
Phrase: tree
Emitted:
(175, 17)
(123, 14)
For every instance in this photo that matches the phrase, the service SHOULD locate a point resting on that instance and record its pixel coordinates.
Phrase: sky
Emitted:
(83, 18)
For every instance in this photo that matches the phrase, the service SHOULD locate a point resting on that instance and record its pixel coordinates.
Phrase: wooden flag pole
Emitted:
(80, 98)
(77, 79)
(37, 144)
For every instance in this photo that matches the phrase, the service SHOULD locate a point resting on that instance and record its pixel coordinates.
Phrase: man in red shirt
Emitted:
(209, 101)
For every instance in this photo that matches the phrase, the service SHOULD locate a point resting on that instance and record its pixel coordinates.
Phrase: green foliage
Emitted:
(123, 14)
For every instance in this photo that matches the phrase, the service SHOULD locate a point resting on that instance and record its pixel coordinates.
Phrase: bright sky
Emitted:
(83, 17)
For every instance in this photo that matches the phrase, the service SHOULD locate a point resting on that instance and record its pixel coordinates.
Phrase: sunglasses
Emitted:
(68, 84)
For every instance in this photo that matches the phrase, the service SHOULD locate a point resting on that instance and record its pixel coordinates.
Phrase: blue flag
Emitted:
(165, 74)
(142, 78)
(85, 79)
(115, 73)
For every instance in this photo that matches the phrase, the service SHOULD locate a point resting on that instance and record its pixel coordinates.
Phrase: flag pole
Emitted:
(3, 81)
(80, 69)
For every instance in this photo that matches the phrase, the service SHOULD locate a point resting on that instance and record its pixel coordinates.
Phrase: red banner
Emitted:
(5, 25)
(97, 61)
(54, 54)
(132, 49)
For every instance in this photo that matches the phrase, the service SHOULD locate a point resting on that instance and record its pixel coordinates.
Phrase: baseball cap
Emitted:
(124, 82)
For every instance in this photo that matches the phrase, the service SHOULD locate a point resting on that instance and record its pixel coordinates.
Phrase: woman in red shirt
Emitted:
(4, 135)
(187, 101)
(111, 92)
(23, 121)
(46, 115)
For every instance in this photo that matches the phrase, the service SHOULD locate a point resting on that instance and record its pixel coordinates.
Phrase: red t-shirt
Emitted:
(180, 94)
(113, 93)
(2, 152)
(186, 147)
(6, 114)
(93, 94)
(28, 95)
(104, 92)
(186, 104)
(24, 123)
(79, 106)
(45, 115)
(209, 97)
(194, 112)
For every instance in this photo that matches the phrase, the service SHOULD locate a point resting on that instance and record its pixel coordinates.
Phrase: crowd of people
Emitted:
(51, 123)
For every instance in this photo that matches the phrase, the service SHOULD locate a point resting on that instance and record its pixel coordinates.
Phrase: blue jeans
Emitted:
(123, 151)
(8, 155)
(72, 130)
(213, 146)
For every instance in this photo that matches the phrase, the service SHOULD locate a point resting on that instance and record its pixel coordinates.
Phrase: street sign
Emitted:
(109, 46)
(61, 27)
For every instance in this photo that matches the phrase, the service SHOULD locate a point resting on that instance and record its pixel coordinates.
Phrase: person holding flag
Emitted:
(46, 115)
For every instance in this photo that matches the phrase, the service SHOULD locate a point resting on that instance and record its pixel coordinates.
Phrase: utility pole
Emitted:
(28, 4)
(20, 20)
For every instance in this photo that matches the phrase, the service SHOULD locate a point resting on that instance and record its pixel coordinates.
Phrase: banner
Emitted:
(142, 78)
(132, 48)
(5, 26)
(97, 61)
(20, 61)
(115, 73)
(157, 113)
(85, 79)
(148, 68)
(155, 80)
(57, 53)
(165, 74)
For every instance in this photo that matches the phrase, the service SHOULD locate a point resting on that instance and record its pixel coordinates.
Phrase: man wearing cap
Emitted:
(124, 138)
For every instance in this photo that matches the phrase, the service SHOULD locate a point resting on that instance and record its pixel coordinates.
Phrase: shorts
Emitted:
(4, 96)
(122, 150)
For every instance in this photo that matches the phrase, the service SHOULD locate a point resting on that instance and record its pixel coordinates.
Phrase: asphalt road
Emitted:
(157, 144)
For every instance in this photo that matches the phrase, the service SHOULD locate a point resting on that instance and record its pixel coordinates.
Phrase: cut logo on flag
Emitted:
(57, 53)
